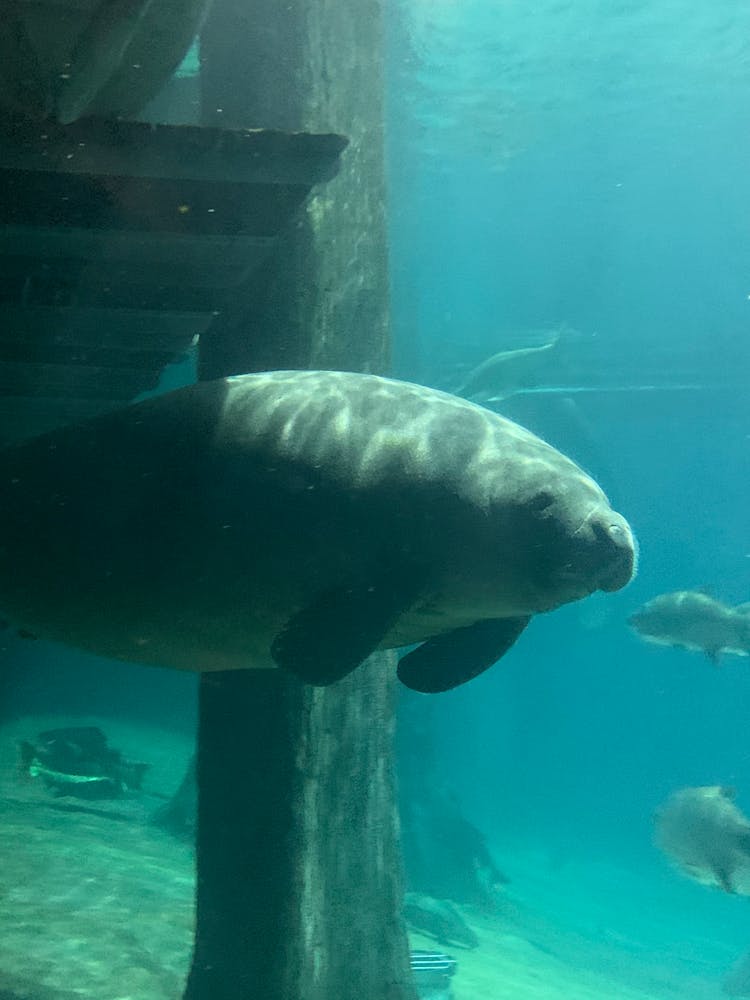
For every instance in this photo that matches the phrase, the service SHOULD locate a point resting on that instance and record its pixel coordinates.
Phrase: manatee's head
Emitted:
(573, 561)
(604, 551)
(565, 540)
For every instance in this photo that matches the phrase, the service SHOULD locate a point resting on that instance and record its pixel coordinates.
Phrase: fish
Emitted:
(707, 836)
(692, 619)
(302, 520)
(507, 372)
(439, 918)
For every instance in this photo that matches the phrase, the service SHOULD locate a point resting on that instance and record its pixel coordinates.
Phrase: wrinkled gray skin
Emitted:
(694, 620)
(707, 837)
(239, 523)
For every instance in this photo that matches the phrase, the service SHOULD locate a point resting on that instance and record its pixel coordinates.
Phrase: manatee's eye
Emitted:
(540, 502)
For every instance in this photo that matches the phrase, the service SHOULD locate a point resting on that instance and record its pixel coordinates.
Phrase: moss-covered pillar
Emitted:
(299, 881)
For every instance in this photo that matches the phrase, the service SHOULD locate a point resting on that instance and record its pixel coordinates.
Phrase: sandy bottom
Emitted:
(99, 904)
(588, 933)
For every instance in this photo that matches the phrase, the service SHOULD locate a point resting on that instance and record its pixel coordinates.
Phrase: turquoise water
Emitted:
(583, 167)
(567, 174)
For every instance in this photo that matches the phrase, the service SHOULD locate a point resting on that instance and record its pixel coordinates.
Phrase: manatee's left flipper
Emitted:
(329, 639)
(448, 660)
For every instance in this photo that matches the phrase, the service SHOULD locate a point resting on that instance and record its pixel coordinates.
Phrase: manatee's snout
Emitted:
(604, 552)
(615, 551)
(600, 554)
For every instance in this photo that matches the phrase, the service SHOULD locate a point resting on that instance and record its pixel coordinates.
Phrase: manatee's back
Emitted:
(366, 429)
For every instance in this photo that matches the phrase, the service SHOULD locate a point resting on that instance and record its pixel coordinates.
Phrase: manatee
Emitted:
(694, 620)
(707, 836)
(301, 520)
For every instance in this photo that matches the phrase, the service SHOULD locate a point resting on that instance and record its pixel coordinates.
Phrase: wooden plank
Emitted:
(237, 253)
(139, 149)
(146, 205)
(89, 6)
(213, 261)
(29, 352)
(69, 283)
(126, 329)
(77, 382)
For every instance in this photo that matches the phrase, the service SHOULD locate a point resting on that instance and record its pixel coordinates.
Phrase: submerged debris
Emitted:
(77, 761)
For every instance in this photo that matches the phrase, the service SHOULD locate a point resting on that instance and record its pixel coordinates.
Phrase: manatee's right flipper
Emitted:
(448, 660)
(329, 639)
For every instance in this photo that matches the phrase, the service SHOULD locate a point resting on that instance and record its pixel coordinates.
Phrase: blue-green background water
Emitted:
(586, 164)
(581, 165)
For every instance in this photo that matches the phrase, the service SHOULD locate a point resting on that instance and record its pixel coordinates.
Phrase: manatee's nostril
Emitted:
(618, 554)
(620, 571)
(613, 532)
